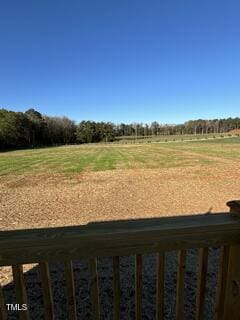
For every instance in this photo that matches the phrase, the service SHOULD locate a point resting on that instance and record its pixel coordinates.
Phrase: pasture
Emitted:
(168, 138)
(71, 185)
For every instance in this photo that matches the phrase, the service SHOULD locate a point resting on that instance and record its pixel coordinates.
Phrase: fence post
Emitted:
(232, 297)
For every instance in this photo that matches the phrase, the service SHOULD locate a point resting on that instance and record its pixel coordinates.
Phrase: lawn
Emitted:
(227, 148)
(73, 159)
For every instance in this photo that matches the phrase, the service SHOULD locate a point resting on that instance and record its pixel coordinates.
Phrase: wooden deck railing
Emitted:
(121, 238)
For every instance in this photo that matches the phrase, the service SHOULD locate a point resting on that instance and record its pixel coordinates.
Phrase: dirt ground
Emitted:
(56, 200)
(32, 201)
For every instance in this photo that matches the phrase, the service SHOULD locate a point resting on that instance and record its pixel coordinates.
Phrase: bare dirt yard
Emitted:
(39, 200)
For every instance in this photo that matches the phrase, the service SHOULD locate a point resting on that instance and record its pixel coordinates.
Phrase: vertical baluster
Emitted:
(72, 309)
(181, 266)
(3, 314)
(47, 291)
(94, 288)
(138, 286)
(232, 296)
(201, 285)
(116, 288)
(160, 286)
(21, 294)
(221, 283)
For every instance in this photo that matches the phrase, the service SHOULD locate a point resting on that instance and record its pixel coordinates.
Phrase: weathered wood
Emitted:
(232, 297)
(221, 282)
(72, 308)
(138, 286)
(3, 313)
(47, 291)
(116, 288)
(201, 285)
(21, 294)
(119, 238)
(94, 290)
(160, 286)
(181, 266)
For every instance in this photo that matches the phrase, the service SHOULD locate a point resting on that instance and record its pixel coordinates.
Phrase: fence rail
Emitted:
(136, 237)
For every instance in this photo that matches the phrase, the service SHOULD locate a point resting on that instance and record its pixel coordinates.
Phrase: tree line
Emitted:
(31, 129)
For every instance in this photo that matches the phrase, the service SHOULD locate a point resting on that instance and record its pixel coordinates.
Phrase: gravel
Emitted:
(81, 277)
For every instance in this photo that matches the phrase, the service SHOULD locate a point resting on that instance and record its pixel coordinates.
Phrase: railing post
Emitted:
(232, 296)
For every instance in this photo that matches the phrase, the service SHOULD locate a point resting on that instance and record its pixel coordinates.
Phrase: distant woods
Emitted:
(32, 129)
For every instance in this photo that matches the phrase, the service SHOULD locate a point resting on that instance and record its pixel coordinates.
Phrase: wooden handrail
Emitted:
(134, 237)
(118, 238)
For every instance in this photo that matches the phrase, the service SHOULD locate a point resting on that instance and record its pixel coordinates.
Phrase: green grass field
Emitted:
(96, 157)
(167, 138)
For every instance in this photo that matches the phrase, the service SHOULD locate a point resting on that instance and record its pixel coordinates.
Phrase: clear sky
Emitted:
(128, 60)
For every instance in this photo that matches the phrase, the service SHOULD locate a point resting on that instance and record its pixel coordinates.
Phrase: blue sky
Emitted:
(128, 60)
